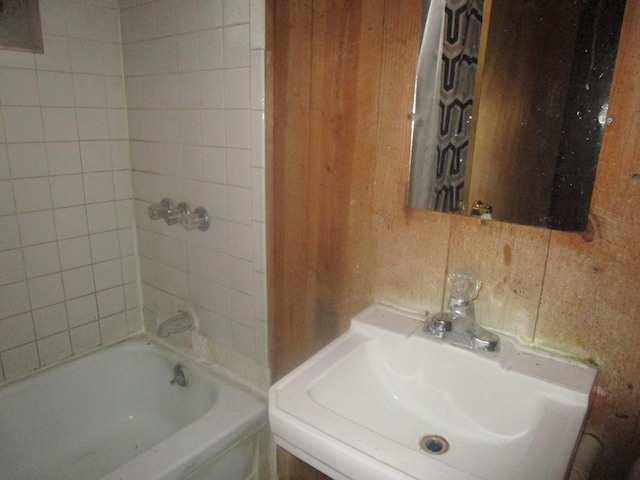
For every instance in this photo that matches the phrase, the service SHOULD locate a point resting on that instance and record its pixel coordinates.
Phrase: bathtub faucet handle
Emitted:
(198, 218)
(160, 210)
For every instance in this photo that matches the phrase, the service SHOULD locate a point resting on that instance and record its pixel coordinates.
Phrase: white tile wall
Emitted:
(66, 214)
(193, 120)
(194, 71)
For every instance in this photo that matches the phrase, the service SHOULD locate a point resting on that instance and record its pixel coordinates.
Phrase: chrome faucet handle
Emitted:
(160, 210)
(174, 215)
(464, 284)
(482, 339)
(440, 325)
(199, 219)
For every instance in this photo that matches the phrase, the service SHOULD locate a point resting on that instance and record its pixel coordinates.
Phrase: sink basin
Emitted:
(387, 401)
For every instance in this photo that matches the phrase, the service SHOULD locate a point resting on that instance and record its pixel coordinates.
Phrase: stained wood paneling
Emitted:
(340, 236)
(590, 303)
(324, 130)
(511, 261)
(410, 245)
(288, 176)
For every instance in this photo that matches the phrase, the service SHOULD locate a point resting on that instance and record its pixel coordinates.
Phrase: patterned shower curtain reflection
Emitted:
(444, 98)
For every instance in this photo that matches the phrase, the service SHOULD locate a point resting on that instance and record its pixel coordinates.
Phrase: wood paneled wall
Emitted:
(340, 86)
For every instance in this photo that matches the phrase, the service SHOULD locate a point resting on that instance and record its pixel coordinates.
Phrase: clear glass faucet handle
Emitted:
(464, 284)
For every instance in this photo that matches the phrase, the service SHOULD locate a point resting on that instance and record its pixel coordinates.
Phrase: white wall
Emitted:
(194, 74)
(67, 264)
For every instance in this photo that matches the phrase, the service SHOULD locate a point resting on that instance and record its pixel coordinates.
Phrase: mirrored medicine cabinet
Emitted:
(510, 107)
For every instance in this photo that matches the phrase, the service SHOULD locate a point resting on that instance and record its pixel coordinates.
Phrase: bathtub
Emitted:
(114, 415)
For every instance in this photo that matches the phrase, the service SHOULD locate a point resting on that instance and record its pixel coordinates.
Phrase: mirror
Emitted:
(510, 107)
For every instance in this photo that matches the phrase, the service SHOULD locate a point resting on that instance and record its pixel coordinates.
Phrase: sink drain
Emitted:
(434, 444)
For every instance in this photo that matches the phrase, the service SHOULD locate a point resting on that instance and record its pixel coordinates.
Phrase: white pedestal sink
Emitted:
(386, 401)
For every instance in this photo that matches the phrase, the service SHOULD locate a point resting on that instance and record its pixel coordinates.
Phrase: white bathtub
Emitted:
(113, 415)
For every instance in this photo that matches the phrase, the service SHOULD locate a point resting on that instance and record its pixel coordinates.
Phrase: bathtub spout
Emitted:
(178, 323)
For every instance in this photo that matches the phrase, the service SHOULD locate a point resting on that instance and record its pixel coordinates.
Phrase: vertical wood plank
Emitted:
(345, 77)
(410, 245)
(590, 303)
(289, 129)
(326, 83)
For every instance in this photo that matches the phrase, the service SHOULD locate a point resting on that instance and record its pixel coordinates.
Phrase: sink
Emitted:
(387, 401)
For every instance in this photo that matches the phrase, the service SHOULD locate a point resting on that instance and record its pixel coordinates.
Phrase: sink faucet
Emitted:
(457, 325)
(180, 322)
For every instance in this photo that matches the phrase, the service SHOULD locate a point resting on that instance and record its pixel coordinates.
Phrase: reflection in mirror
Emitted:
(511, 102)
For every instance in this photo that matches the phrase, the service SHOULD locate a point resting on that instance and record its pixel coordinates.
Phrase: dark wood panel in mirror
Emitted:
(539, 109)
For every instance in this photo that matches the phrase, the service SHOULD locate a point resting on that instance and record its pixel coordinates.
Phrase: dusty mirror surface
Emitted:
(511, 104)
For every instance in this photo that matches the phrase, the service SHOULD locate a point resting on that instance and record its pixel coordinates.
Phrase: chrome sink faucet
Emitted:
(457, 325)
(180, 322)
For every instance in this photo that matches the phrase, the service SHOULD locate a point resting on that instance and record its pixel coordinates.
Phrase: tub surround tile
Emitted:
(110, 302)
(187, 16)
(64, 175)
(19, 87)
(63, 158)
(195, 92)
(32, 194)
(16, 331)
(74, 252)
(10, 237)
(239, 205)
(27, 160)
(107, 274)
(46, 290)
(36, 227)
(14, 299)
(50, 320)
(54, 349)
(101, 217)
(22, 124)
(4, 160)
(85, 338)
(82, 310)
(67, 190)
(41, 259)
(20, 361)
(57, 55)
(211, 53)
(60, 124)
(243, 340)
(78, 282)
(105, 246)
(195, 89)
(95, 156)
(11, 267)
(116, 326)
(70, 222)
(56, 89)
(7, 202)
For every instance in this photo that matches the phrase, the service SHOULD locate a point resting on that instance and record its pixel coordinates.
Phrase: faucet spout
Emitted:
(180, 322)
